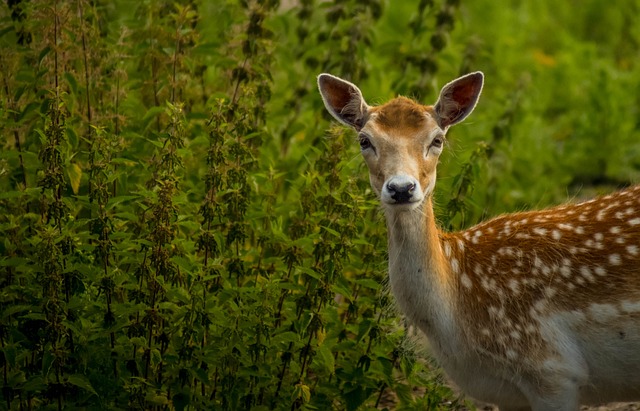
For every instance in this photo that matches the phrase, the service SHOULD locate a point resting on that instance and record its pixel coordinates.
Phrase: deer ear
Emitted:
(458, 99)
(343, 100)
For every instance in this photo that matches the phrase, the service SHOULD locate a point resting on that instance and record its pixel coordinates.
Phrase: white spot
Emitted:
(486, 284)
(540, 305)
(455, 266)
(486, 332)
(579, 230)
(564, 226)
(550, 292)
(565, 271)
(634, 221)
(495, 312)
(447, 249)
(540, 231)
(537, 262)
(478, 269)
(506, 230)
(632, 249)
(466, 281)
(598, 236)
(600, 271)
(587, 274)
(614, 230)
(556, 235)
(512, 355)
(603, 312)
(614, 259)
(505, 251)
(630, 211)
(514, 286)
(460, 245)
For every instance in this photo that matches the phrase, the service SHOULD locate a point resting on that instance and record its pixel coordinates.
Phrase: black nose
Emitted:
(401, 193)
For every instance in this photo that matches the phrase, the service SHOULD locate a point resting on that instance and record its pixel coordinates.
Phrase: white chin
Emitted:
(400, 207)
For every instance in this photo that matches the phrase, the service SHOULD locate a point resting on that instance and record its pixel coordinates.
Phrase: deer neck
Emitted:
(419, 274)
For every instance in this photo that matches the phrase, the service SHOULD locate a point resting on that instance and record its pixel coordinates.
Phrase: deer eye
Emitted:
(365, 142)
(437, 142)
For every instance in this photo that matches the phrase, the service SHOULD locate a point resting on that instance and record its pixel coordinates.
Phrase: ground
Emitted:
(611, 407)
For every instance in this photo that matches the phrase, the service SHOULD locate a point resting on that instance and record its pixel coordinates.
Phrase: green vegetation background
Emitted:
(182, 228)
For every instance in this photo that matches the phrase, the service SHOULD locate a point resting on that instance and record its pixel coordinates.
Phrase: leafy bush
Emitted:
(179, 231)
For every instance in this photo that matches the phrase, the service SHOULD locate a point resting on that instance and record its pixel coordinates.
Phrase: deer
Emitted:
(535, 310)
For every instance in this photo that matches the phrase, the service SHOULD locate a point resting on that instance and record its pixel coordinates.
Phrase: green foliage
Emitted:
(178, 230)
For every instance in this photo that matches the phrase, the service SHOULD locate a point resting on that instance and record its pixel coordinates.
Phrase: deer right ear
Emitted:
(458, 99)
(343, 100)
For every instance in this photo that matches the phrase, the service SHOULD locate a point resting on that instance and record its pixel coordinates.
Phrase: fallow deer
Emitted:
(534, 310)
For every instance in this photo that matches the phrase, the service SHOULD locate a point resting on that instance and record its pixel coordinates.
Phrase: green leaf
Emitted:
(81, 381)
(152, 113)
(180, 401)
(363, 329)
(47, 361)
(331, 231)
(73, 84)
(43, 54)
(75, 175)
(311, 272)
(355, 398)
(369, 283)
(325, 358)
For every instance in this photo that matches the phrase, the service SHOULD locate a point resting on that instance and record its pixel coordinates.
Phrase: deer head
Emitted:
(401, 140)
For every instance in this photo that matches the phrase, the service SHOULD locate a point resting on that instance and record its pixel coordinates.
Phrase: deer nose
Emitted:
(401, 191)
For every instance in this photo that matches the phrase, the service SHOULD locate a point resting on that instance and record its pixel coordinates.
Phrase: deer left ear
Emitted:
(458, 99)
(343, 100)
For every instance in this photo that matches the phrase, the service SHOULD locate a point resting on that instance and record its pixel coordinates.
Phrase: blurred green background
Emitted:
(182, 227)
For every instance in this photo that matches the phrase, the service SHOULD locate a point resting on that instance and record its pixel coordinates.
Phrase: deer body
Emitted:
(536, 310)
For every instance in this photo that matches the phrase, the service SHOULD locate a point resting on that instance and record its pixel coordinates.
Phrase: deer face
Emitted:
(401, 140)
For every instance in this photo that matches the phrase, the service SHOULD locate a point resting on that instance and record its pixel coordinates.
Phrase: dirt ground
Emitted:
(611, 407)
